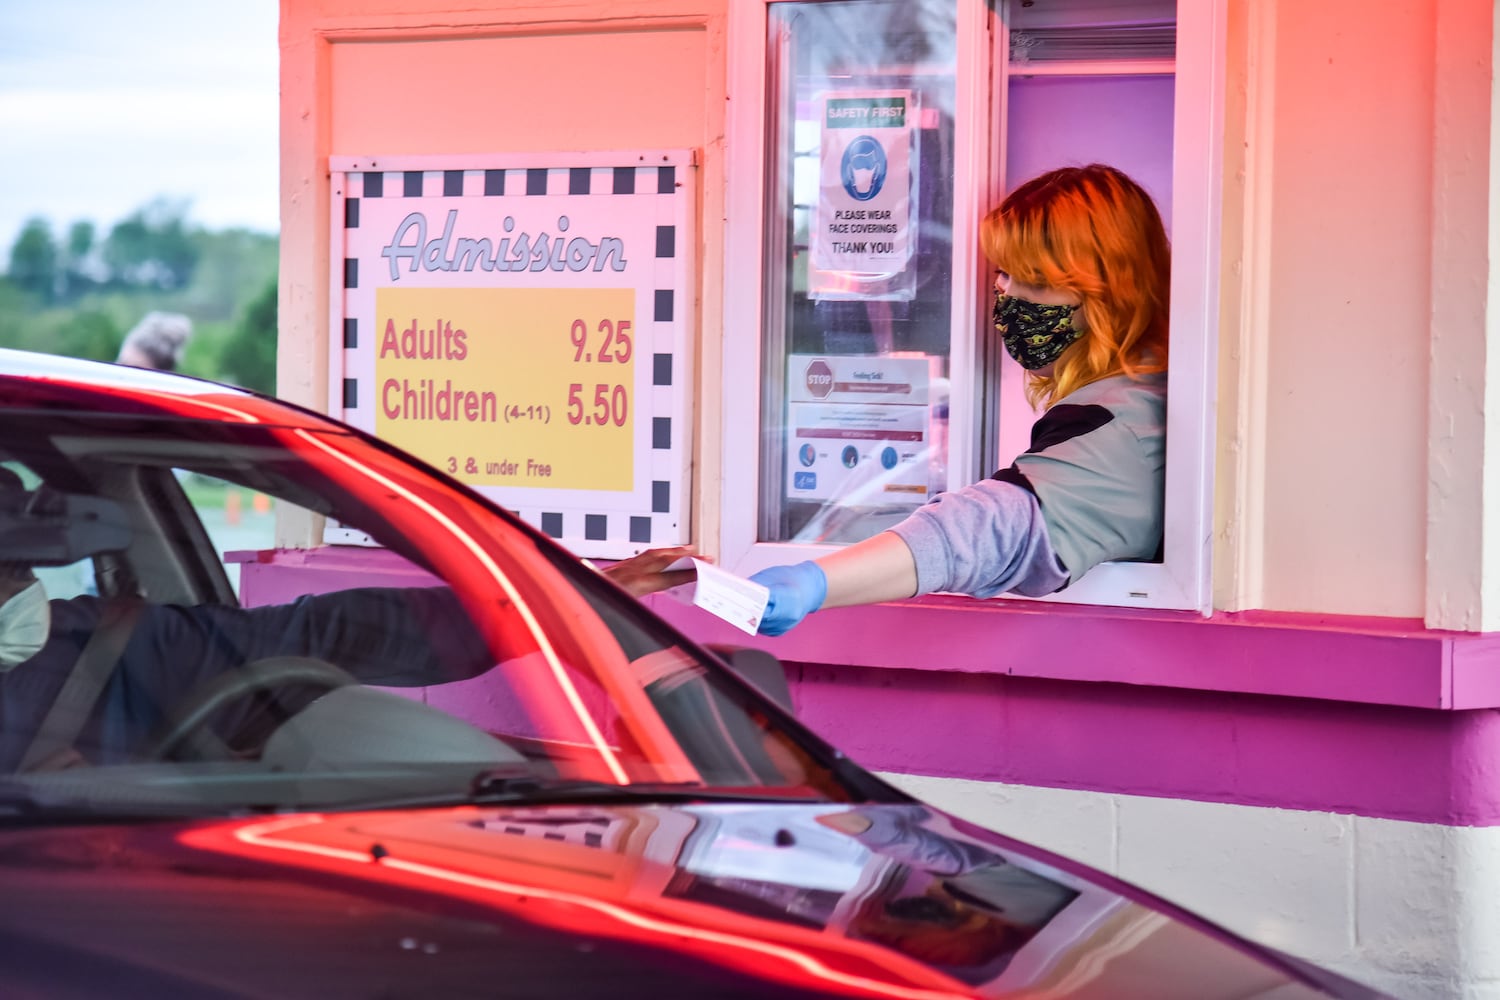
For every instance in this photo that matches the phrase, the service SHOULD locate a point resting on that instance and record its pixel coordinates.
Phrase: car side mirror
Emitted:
(761, 669)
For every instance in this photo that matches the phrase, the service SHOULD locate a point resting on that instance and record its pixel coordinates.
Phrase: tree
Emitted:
(80, 240)
(153, 248)
(233, 266)
(15, 315)
(88, 334)
(33, 259)
(69, 301)
(249, 355)
(73, 277)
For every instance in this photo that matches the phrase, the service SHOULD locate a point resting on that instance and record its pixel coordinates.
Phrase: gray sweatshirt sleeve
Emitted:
(982, 540)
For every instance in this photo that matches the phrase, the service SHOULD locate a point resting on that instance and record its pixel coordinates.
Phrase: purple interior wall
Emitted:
(1124, 121)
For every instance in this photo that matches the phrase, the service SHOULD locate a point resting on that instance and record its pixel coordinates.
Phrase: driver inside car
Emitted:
(396, 637)
(88, 679)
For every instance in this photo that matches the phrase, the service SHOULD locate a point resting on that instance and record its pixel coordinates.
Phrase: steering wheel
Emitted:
(185, 726)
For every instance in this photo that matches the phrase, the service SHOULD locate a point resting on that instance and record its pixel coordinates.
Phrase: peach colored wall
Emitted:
(564, 89)
(1463, 552)
(419, 77)
(1339, 116)
(1322, 495)
(1348, 325)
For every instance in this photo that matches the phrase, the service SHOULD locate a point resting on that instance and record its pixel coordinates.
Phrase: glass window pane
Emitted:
(467, 645)
(859, 265)
(237, 519)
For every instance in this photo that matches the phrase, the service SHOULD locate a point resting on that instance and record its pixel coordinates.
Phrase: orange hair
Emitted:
(1094, 232)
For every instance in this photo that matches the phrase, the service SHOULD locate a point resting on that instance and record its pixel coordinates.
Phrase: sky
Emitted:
(108, 104)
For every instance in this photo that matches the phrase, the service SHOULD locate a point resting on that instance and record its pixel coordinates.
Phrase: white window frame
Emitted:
(1183, 579)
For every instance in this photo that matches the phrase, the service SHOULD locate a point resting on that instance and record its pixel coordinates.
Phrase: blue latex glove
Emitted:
(796, 592)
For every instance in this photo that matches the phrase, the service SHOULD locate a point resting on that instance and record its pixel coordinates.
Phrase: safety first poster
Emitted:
(863, 219)
(522, 323)
(858, 429)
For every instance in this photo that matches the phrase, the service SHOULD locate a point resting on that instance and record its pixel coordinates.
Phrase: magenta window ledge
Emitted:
(1376, 661)
(1359, 660)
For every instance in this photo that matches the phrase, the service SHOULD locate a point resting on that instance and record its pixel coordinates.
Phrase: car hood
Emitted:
(721, 900)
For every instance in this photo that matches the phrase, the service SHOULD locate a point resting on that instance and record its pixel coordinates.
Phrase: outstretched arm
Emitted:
(877, 569)
(983, 540)
(880, 568)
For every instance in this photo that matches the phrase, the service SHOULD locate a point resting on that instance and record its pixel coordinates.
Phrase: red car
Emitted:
(487, 771)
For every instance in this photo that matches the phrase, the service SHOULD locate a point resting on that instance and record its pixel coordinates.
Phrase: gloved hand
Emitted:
(796, 592)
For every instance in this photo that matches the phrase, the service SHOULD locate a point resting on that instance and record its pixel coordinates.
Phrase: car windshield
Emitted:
(167, 657)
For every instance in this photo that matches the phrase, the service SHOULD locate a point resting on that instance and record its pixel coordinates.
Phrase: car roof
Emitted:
(104, 386)
(30, 364)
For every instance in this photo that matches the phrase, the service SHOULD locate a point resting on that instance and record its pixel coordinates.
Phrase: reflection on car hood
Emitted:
(711, 900)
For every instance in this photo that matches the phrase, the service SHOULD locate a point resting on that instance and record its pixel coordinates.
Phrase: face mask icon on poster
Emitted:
(863, 168)
(1034, 335)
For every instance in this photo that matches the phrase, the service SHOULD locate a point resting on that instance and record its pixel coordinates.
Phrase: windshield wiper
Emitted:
(508, 786)
(22, 805)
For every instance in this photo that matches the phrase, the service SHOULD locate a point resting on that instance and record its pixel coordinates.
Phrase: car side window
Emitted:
(236, 518)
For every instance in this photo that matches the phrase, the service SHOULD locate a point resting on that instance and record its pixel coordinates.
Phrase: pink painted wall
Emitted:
(1372, 717)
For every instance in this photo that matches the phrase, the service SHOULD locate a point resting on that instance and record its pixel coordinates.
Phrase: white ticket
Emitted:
(735, 599)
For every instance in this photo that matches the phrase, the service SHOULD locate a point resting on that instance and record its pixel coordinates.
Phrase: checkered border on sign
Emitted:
(659, 525)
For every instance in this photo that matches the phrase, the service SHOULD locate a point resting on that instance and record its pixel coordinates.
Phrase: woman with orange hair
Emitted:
(1083, 269)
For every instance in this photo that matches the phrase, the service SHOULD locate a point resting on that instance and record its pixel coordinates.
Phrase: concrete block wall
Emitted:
(1410, 908)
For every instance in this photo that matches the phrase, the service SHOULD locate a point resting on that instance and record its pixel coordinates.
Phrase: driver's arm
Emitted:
(383, 636)
(389, 636)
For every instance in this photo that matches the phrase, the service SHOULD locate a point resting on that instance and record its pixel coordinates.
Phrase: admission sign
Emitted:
(522, 323)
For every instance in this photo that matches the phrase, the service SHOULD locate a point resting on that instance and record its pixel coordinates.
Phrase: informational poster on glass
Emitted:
(858, 240)
(523, 323)
(862, 236)
(858, 430)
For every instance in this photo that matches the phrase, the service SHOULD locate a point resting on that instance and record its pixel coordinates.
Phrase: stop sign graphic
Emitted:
(819, 378)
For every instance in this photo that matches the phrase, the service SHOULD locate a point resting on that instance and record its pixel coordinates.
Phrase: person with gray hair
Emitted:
(157, 341)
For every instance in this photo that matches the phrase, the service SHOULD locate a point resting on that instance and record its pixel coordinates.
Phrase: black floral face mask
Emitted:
(1034, 334)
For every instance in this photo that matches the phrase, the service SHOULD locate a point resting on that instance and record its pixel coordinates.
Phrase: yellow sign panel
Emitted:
(516, 387)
